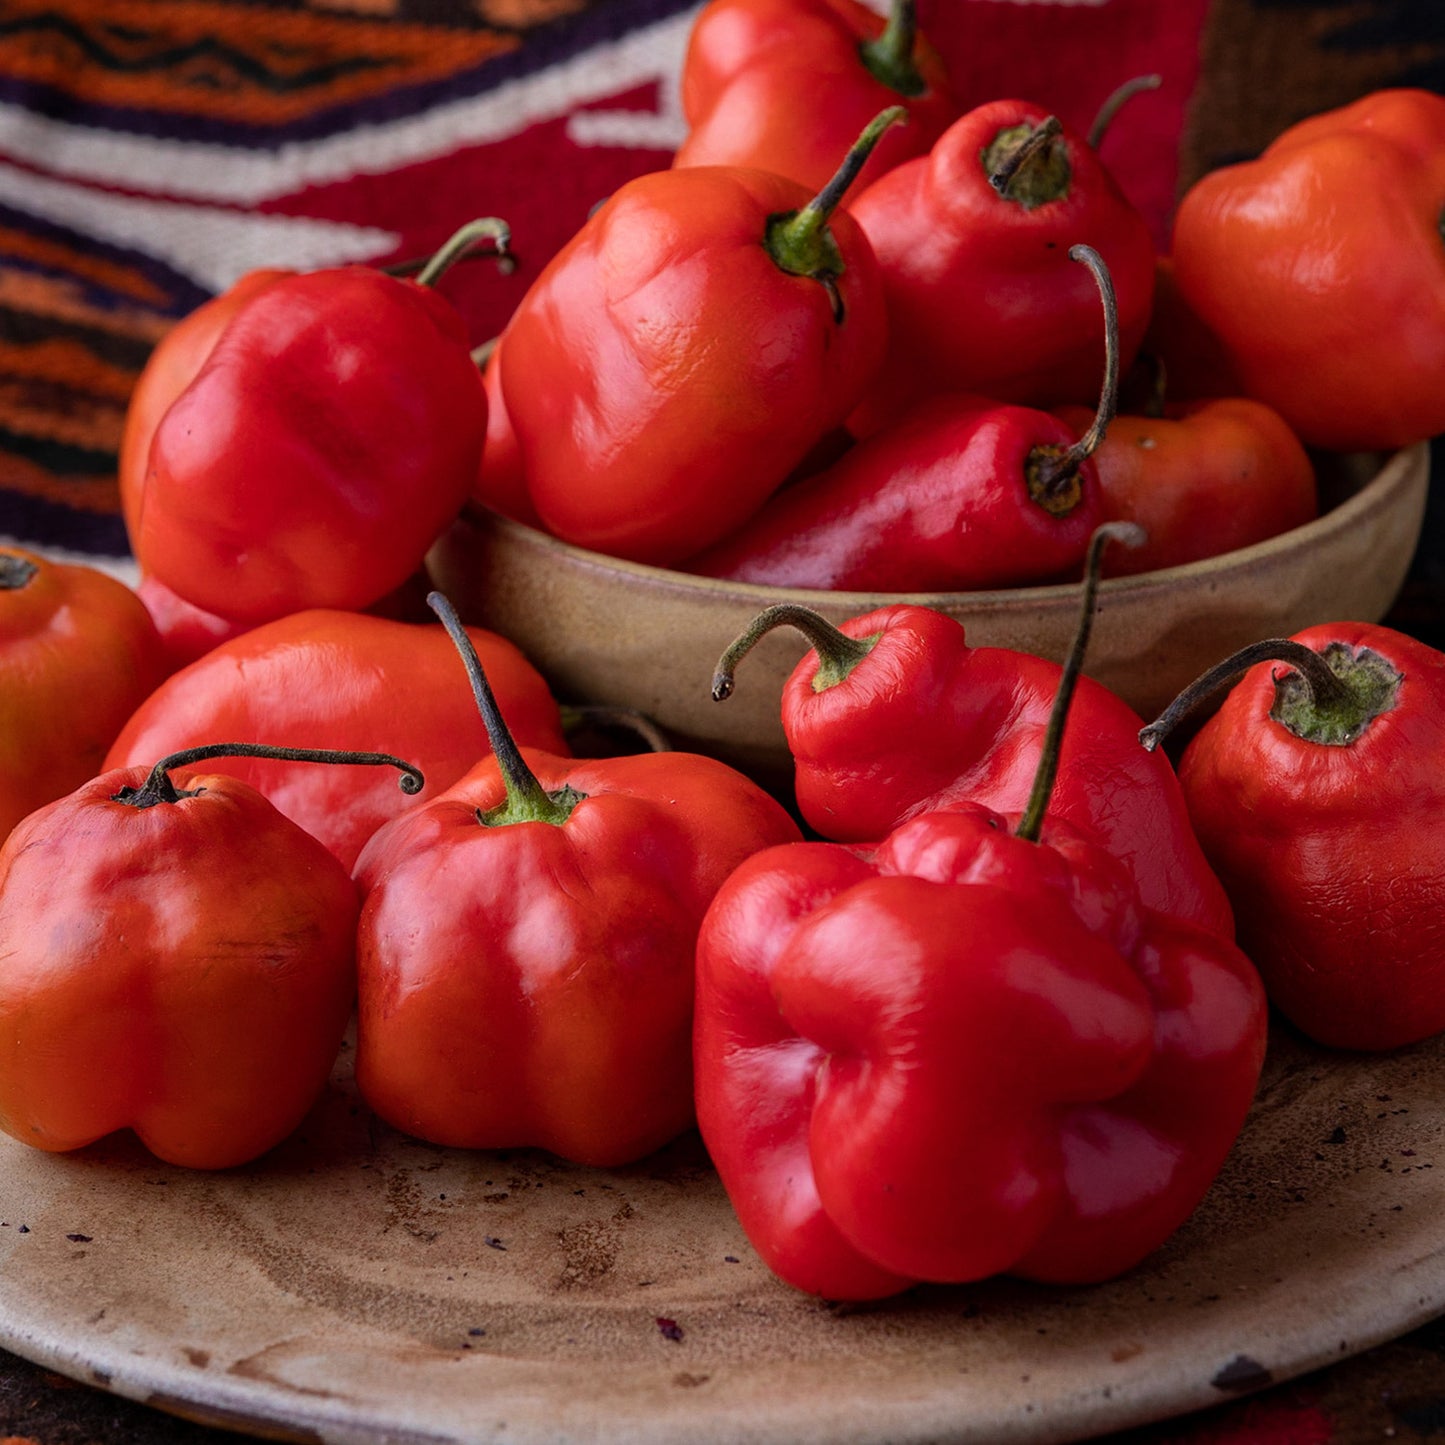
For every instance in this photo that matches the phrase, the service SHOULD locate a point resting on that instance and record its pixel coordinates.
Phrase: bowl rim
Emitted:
(1396, 473)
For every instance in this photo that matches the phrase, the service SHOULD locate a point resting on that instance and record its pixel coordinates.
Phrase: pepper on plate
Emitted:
(964, 1051)
(78, 654)
(327, 435)
(526, 943)
(695, 340)
(1318, 793)
(176, 961)
(1320, 269)
(322, 678)
(785, 86)
(960, 493)
(973, 242)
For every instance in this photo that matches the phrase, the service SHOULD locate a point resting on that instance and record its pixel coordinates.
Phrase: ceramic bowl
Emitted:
(627, 635)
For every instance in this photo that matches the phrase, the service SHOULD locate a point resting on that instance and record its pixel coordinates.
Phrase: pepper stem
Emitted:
(889, 56)
(1115, 102)
(800, 242)
(1339, 701)
(158, 787)
(527, 800)
(1031, 824)
(584, 716)
(464, 243)
(1024, 165)
(15, 571)
(838, 654)
(1053, 474)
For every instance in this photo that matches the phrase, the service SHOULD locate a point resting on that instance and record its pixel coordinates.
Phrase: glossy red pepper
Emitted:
(973, 243)
(1320, 267)
(684, 352)
(526, 946)
(331, 432)
(959, 494)
(501, 482)
(1202, 478)
(78, 654)
(885, 1106)
(786, 85)
(1318, 793)
(177, 962)
(339, 678)
(894, 715)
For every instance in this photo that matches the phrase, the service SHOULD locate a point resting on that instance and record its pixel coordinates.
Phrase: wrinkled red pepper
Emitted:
(894, 714)
(966, 1051)
(1318, 794)
(526, 945)
(973, 242)
(785, 86)
(179, 962)
(685, 351)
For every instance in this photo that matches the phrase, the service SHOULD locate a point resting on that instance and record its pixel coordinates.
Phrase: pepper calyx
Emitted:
(1371, 687)
(1029, 164)
(15, 572)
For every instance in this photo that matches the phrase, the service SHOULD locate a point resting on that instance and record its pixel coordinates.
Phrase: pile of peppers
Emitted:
(988, 992)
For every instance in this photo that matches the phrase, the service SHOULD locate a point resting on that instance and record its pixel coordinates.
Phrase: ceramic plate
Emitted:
(359, 1286)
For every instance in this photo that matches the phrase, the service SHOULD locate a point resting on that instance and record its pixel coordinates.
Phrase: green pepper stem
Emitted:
(889, 56)
(464, 243)
(15, 571)
(527, 800)
(158, 787)
(1052, 474)
(800, 242)
(838, 654)
(1115, 102)
(1031, 824)
(1326, 688)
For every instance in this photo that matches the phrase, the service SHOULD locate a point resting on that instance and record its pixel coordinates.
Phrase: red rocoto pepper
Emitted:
(179, 962)
(973, 243)
(960, 493)
(78, 654)
(501, 482)
(786, 85)
(1320, 267)
(684, 352)
(526, 945)
(324, 678)
(894, 715)
(966, 1052)
(1318, 793)
(1202, 478)
(332, 431)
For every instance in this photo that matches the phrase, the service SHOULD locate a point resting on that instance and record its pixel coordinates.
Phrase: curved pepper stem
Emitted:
(466, 243)
(527, 800)
(1328, 698)
(1031, 824)
(15, 572)
(158, 787)
(1115, 102)
(1053, 475)
(889, 57)
(1026, 167)
(582, 716)
(838, 654)
(800, 242)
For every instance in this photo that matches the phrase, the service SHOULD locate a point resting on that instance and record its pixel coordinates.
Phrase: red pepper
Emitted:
(176, 962)
(1321, 269)
(961, 493)
(973, 243)
(78, 654)
(1318, 793)
(331, 433)
(691, 344)
(339, 678)
(501, 482)
(526, 945)
(1050, 1099)
(1202, 478)
(894, 715)
(786, 85)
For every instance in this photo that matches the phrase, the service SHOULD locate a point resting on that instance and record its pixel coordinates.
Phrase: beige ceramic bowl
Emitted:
(622, 634)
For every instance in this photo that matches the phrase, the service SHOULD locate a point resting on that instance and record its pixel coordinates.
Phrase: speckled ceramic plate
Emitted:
(357, 1286)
